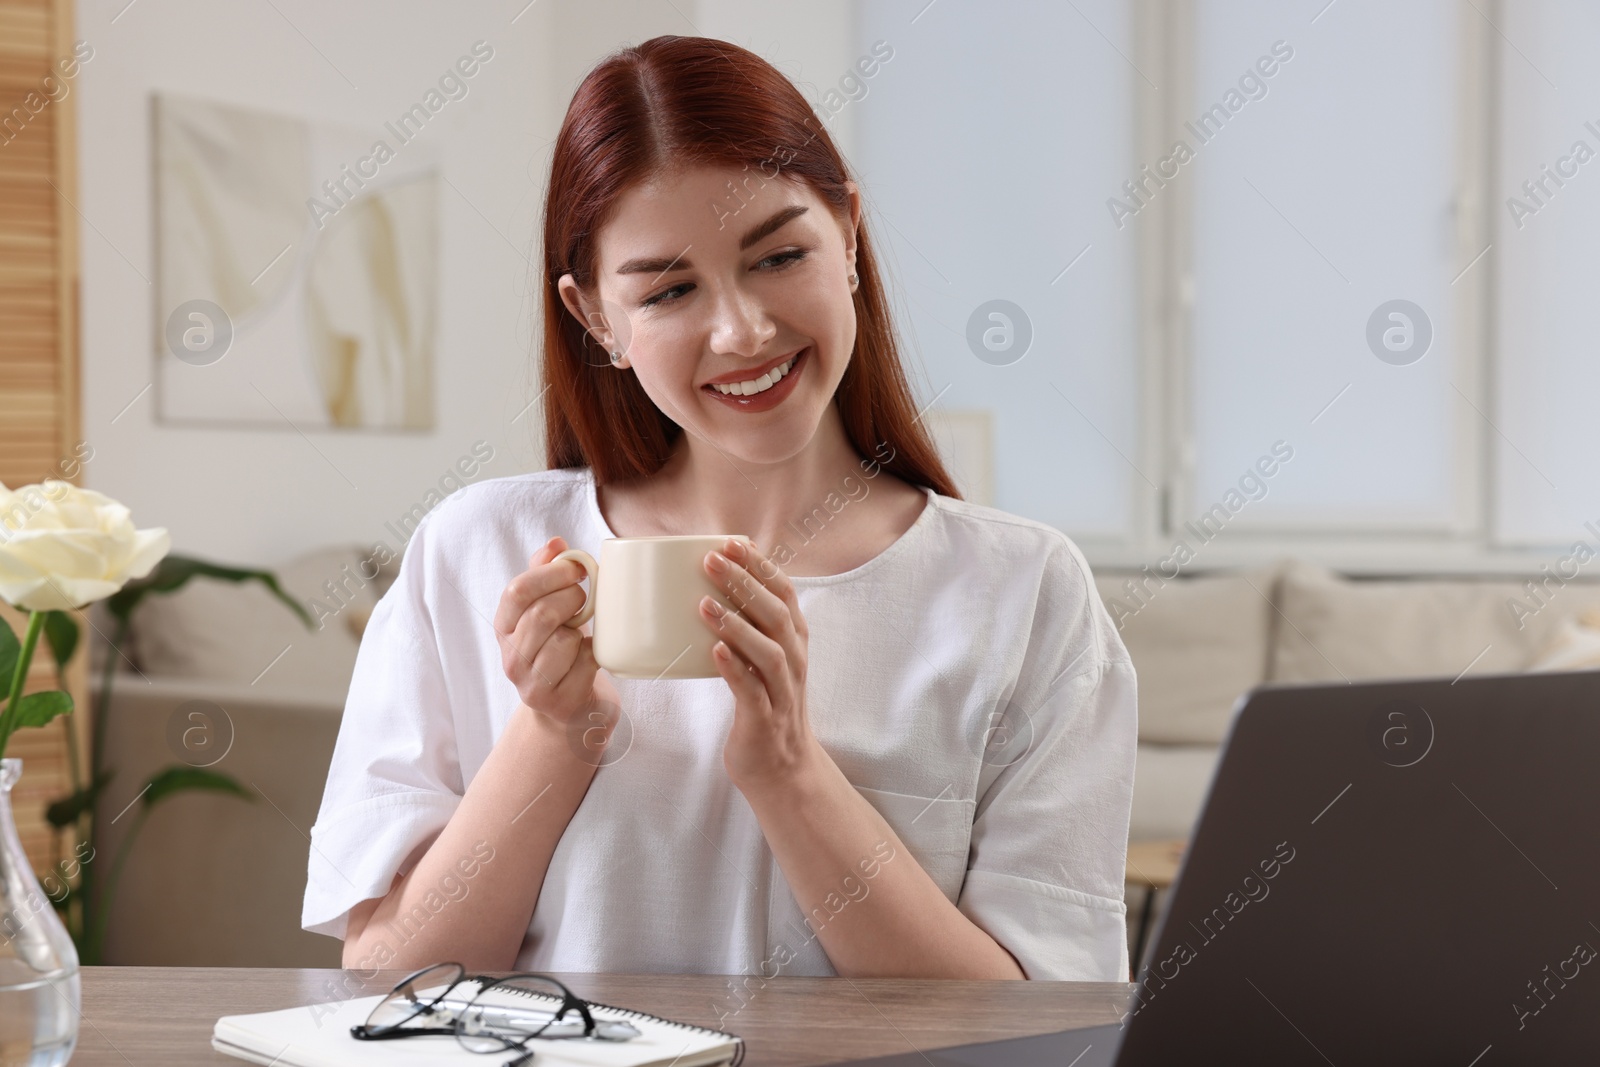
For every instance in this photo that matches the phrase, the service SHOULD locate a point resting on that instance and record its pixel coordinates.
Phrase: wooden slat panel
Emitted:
(21, 375)
(27, 313)
(27, 467)
(36, 269)
(27, 156)
(21, 154)
(30, 224)
(26, 470)
(20, 445)
(26, 341)
(28, 330)
(28, 405)
(39, 420)
(27, 134)
(28, 212)
(24, 130)
(25, 33)
(25, 194)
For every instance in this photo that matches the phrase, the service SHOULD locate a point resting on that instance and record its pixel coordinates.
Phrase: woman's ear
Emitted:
(854, 193)
(589, 313)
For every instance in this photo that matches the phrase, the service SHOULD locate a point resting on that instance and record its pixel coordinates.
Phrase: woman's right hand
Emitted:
(552, 664)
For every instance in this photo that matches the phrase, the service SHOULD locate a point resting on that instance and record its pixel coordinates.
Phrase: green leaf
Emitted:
(61, 630)
(36, 709)
(65, 812)
(176, 779)
(173, 572)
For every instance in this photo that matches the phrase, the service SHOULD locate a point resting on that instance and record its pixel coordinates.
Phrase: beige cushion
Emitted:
(1197, 643)
(1575, 647)
(1337, 629)
(1169, 788)
(232, 632)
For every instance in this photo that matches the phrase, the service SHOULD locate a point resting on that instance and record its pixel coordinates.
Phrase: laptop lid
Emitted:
(1389, 872)
(1400, 872)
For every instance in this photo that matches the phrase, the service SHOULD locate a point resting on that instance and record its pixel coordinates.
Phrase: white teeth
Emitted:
(758, 385)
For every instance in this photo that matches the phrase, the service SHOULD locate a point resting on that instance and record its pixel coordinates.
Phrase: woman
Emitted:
(918, 759)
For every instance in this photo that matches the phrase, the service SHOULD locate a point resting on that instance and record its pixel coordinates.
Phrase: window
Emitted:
(1546, 216)
(988, 146)
(1325, 184)
(1358, 233)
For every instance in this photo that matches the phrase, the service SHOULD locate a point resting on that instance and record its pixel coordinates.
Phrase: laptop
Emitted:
(1399, 872)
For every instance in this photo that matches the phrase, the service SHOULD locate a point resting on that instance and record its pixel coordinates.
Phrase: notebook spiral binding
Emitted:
(738, 1053)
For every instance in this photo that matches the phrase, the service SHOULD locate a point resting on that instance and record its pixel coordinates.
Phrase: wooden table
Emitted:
(163, 1015)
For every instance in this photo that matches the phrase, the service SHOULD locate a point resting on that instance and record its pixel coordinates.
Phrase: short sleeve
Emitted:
(395, 777)
(1049, 841)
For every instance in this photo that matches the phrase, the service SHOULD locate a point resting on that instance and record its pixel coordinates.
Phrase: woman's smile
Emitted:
(761, 392)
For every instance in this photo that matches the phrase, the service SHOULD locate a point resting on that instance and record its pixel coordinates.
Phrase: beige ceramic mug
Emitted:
(644, 597)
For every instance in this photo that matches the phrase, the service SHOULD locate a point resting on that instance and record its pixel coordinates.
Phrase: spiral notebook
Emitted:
(318, 1035)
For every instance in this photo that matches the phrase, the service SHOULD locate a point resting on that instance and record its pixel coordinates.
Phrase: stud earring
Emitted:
(616, 355)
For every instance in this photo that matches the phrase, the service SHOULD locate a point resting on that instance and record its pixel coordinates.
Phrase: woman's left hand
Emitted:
(762, 656)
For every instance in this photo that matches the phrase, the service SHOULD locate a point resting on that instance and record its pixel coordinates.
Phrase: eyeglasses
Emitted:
(421, 1004)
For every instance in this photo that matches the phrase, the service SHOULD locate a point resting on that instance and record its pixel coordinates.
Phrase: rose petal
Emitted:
(68, 553)
(149, 548)
(62, 546)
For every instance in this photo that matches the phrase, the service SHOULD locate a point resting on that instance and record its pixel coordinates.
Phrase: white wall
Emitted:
(259, 496)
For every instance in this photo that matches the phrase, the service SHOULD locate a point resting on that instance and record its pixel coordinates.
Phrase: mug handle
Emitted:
(590, 568)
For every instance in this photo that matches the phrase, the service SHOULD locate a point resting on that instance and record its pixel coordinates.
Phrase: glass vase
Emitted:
(39, 992)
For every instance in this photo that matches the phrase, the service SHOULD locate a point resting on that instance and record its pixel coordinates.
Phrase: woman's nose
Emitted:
(741, 324)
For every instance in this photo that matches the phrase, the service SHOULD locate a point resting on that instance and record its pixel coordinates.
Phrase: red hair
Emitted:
(668, 104)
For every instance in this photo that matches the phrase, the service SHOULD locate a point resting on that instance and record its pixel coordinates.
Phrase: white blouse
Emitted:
(968, 681)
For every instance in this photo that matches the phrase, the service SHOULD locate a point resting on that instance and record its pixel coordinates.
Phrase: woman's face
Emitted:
(697, 286)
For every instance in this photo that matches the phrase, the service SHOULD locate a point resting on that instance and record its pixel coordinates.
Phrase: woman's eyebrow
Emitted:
(658, 265)
(772, 225)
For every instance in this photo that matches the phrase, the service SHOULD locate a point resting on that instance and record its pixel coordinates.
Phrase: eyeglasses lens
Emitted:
(519, 1008)
(411, 998)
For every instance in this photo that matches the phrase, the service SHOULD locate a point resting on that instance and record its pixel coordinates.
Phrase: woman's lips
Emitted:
(771, 398)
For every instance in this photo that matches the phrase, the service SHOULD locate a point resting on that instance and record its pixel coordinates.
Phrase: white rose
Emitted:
(63, 547)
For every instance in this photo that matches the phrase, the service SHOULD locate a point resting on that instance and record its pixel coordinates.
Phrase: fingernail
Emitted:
(716, 562)
(712, 606)
(735, 548)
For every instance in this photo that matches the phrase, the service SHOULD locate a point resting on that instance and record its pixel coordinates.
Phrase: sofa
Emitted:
(1199, 642)
(216, 880)
(226, 677)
